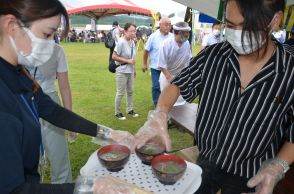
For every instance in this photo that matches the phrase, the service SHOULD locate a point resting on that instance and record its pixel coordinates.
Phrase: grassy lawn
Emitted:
(93, 91)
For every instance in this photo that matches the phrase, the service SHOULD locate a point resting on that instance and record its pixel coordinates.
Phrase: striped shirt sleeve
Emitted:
(290, 128)
(190, 79)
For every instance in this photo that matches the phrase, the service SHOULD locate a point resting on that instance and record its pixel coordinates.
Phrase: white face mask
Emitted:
(234, 37)
(42, 50)
(216, 32)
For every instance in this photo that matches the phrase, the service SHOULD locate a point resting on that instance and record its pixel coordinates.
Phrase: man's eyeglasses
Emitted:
(132, 31)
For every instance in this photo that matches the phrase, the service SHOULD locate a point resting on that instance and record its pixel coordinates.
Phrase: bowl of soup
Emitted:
(113, 157)
(168, 169)
(148, 151)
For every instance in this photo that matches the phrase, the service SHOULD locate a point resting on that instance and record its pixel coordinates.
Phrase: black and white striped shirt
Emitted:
(238, 130)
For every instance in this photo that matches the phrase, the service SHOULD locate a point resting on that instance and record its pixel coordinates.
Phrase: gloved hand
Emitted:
(108, 186)
(156, 125)
(122, 137)
(72, 136)
(106, 136)
(269, 174)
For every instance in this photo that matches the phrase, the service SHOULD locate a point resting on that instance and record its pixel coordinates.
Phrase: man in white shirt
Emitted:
(152, 50)
(174, 55)
(213, 37)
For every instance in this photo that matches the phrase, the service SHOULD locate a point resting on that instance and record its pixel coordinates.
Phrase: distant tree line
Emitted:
(122, 19)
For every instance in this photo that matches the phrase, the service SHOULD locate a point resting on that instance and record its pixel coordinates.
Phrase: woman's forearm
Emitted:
(120, 59)
(67, 119)
(65, 90)
(167, 98)
(167, 75)
(286, 153)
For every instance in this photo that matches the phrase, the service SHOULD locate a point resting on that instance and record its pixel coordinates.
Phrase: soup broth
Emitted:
(169, 167)
(113, 156)
(151, 149)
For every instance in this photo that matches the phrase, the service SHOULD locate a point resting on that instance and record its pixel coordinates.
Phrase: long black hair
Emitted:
(258, 15)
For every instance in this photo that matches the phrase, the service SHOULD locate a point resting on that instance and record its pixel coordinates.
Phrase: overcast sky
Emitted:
(165, 7)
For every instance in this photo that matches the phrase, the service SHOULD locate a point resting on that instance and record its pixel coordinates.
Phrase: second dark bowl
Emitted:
(151, 149)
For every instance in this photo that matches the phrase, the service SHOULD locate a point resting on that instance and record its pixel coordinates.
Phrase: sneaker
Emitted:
(133, 113)
(120, 116)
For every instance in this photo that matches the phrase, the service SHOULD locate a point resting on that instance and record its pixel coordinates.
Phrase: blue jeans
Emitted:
(214, 179)
(155, 85)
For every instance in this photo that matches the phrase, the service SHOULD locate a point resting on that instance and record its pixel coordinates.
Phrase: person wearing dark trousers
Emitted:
(244, 127)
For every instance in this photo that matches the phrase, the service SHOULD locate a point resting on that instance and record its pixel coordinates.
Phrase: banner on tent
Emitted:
(93, 25)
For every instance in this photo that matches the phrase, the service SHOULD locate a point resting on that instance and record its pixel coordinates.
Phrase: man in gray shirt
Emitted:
(115, 36)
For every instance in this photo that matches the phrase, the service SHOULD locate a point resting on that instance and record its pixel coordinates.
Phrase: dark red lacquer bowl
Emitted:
(168, 169)
(151, 149)
(114, 156)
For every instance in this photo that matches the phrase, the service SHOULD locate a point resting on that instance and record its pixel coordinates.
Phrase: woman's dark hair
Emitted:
(128, 25)
(28, 11)
(258, 15)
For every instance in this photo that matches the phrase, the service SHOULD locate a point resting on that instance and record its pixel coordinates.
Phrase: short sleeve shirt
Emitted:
(152, 46)
(115, 32)
(210, 39)
(172, 57)
(126, 49)
(46, 73)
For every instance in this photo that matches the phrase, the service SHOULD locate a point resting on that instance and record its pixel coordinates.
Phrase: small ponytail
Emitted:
(35, 85)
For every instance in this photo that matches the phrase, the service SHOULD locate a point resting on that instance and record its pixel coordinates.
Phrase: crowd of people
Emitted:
(244, 126)
(85, 36)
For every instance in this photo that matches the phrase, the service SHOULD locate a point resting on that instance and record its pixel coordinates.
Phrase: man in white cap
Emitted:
(174, 55)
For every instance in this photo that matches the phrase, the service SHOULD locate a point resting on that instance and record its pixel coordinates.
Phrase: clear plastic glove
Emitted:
(269, 174)
(122, 137)
(84, 185)
(111, 136)
(108, 186)
(156, 125)
(72, 136)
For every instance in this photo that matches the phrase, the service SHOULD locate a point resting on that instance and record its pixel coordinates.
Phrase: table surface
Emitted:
(141, 175)
(185, 116)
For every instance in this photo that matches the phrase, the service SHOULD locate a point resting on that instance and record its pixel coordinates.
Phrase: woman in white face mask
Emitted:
(26, 38)
(244, 127)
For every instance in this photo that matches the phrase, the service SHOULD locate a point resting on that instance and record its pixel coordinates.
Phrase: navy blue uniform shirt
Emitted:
(19, 129)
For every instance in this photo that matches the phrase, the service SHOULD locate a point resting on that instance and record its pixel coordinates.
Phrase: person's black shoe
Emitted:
(133, 113)
(120, 116)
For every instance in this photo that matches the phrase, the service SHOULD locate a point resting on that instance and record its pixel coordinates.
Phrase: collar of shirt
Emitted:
(277, 60)
(14, 78)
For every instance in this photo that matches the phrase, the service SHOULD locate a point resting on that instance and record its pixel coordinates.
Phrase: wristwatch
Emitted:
(282, 163)
(103, 131)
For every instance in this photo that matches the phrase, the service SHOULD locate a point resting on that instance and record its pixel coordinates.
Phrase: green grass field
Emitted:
(93, 92)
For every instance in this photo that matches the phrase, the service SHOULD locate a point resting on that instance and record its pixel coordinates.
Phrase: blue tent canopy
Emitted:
(207, 19)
